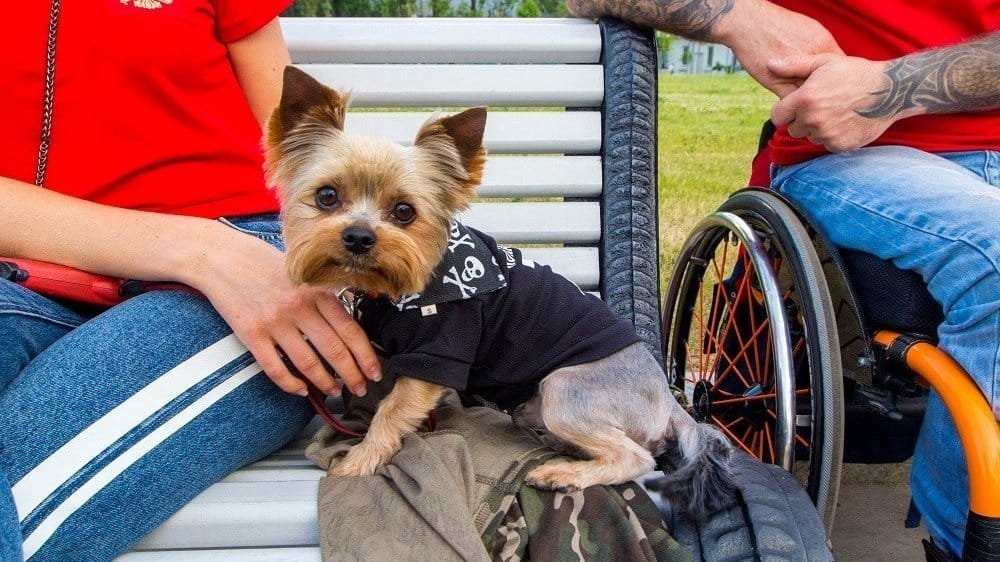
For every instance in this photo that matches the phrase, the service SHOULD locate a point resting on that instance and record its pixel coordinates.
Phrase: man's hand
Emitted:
(760, 31)
(847, 102)
(829, 107)
(756, 30)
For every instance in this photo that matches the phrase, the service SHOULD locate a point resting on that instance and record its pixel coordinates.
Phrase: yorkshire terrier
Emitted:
(451, 308)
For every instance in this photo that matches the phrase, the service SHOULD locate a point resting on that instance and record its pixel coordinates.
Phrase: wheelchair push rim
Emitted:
(737, 342)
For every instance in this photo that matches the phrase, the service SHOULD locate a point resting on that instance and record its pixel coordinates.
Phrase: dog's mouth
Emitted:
(347, 270)
(353, 263)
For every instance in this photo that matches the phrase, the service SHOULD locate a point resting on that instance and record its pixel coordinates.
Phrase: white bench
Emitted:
(570, 180)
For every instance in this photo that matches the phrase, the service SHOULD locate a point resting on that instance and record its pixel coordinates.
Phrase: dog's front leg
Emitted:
(399, 413)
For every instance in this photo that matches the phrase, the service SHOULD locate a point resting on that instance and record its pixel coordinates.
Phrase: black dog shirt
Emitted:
(491, 323)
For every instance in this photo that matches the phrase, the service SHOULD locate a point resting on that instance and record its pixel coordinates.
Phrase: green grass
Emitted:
(708, 128)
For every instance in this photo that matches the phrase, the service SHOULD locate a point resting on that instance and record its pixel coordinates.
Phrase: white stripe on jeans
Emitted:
(49, 525)
(38, 484)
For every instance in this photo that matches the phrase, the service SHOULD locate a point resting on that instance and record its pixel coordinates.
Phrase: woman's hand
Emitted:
(245, 280)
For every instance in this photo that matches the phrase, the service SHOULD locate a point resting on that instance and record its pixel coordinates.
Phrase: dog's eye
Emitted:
(404, 213)
(326, 198)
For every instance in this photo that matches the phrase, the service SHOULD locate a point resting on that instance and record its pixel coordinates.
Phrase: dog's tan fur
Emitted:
(401, 412)
(613, 411)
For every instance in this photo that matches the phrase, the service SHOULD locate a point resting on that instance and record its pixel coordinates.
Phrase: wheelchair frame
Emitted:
(878, 360)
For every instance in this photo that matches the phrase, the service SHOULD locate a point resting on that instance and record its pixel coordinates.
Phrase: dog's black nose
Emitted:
(358, 240)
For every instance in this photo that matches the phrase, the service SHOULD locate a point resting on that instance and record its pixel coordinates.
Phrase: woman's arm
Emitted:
(259, 60)
(242, 276)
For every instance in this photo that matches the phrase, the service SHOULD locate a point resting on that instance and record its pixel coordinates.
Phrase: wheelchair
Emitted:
(806, 355)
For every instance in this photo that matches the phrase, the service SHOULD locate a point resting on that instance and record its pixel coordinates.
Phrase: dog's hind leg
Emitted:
(399, 413)
(614, 459)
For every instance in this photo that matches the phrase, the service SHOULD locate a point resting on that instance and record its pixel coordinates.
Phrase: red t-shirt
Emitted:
(887, 29)
(148, 112)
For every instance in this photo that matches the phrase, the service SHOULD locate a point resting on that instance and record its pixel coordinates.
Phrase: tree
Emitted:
(528, 9)
(441, 8)
(664, 41)
(553, 8)
(501, 8)
(310, 8)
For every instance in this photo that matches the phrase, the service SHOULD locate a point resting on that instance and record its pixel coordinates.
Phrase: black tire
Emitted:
(811, 318)
(774, 520)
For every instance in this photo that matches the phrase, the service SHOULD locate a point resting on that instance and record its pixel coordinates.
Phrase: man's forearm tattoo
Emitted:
(964, 77)
(693, 19)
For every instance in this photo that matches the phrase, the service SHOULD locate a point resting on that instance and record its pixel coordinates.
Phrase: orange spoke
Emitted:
(743, 291)
(802, 440)
(770, 441)
(753, 321)
(753, 398)
(734, 422)
(720, 290)
(732, 437)
(760, 445)
(721, 352)
(798, 437)
(766, 376)
(701, 328)
(732, 365)
(798, 346)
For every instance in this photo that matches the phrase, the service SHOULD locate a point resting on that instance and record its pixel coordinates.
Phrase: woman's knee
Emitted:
(156, 395)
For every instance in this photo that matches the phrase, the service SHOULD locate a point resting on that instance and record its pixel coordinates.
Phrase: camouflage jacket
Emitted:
(457, 494)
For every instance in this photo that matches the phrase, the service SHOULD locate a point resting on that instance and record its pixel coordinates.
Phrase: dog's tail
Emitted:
(697, 470)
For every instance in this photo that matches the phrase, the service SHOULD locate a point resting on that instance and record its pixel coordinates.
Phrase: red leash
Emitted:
(318, 402)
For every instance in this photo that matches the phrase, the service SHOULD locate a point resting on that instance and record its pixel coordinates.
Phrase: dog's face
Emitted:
(366, 212)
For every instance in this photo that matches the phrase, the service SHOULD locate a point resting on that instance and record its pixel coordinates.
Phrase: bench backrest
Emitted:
(571, 132)
(571, 180)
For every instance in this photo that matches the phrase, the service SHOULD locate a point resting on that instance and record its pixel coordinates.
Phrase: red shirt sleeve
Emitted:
(235, 19)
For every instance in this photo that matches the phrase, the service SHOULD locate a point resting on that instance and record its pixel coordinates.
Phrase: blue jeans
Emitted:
(937, 215)
(110, 424)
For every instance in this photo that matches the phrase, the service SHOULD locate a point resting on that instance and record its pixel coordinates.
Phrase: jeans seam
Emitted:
(991, 168)
(269, 237)
(831, 193)
(14, 308)
(994, 399)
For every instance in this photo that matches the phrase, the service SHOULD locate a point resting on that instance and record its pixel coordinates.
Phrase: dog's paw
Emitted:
(360, 461)
(561, 476)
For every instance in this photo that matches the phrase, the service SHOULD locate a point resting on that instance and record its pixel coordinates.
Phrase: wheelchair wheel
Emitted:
(751, 336)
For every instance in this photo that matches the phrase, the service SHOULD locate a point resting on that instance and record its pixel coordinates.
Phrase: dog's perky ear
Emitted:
(303, 95)
(456, 144)
(465, 131)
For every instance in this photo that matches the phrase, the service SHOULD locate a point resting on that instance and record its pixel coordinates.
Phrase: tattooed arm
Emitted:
(756, 30)
(847, 102)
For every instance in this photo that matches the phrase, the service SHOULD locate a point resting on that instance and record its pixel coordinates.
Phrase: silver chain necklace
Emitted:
(50, 83)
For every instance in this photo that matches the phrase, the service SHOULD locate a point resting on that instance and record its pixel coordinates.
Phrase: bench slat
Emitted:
(242, 514)
(536, 223)
(305, 471)
(442, 40)
(542, 176)
(435, 85)
(294, 554)
(576, 132)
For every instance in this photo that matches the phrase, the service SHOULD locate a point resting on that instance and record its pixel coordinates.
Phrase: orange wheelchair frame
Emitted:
(763, 330)
(977, 428)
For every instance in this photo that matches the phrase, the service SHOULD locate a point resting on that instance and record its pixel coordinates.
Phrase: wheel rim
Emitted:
(724, 354)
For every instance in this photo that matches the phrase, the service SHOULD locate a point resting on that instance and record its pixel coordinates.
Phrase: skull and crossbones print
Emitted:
(462, 272)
